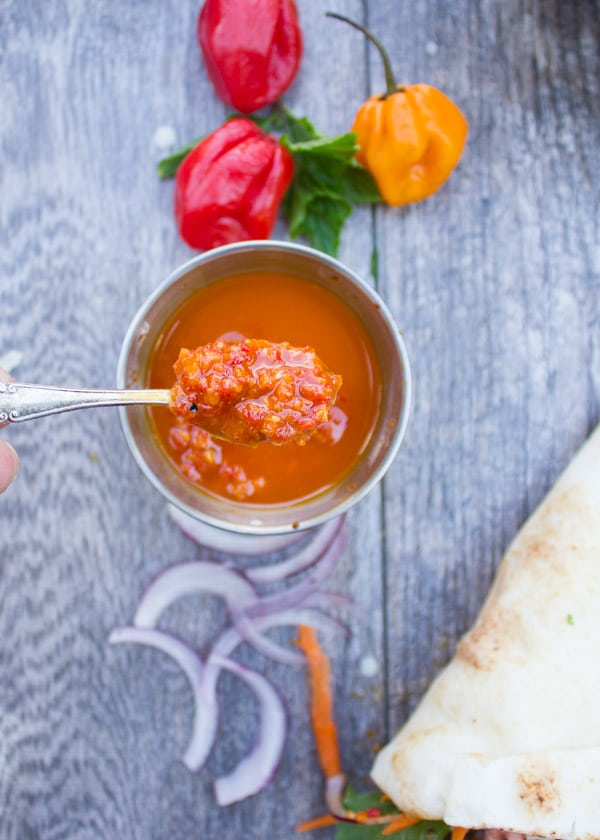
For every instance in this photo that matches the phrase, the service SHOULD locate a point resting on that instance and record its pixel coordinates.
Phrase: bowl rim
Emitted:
(262, 529)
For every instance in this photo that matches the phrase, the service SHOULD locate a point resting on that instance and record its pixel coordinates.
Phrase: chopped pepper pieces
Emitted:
(411, 137)
(253, 390)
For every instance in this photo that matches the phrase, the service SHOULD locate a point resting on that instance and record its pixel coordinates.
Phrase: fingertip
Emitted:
(9, 465)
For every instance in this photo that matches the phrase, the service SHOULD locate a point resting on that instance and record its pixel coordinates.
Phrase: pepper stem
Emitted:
(390, 81)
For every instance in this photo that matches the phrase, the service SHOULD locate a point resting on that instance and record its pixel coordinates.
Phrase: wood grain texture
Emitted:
(495, 282)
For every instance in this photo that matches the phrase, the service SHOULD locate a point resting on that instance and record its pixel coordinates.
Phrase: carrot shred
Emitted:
(403, 821)
(318, 822)
(326, 738)
(321, 711)
(459, 833)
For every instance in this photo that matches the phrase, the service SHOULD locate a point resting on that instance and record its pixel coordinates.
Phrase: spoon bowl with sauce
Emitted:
(247, 391)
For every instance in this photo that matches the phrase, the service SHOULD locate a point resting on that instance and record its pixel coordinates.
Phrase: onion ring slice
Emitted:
(228, 541)
(310, 554)
(204, 726)
(198, 576)
(300, 593)
(258, 766)
(204, 735)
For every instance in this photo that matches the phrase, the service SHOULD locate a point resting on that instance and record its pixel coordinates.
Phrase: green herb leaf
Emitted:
(424, 830)
(327, 182)
(298, 129)
(570, 620)
(343, 147)
(359, 185)
(325, 217)
(375, 264)
(327, 178)
(272, 122)
(168, 166)
(314, 207)
(355, 801)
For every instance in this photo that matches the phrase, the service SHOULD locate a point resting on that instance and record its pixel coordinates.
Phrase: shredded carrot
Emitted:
(459, 833)
(322, 702)
(318, 822)
(325, 730)
(403, 821)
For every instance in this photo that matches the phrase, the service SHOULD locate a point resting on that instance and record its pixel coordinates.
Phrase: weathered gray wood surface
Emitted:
(495, 282)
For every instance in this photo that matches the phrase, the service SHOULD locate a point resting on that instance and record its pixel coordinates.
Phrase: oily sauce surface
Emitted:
(253, 391)
(278, 308)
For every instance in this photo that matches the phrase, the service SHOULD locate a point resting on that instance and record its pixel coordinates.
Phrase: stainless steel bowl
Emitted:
(304, 262)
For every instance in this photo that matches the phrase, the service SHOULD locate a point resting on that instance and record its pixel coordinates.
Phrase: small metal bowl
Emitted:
(304, 262)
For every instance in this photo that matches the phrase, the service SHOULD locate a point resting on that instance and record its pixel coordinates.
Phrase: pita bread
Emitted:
(508, 735)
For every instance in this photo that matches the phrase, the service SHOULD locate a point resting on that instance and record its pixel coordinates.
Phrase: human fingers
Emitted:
(9, 465)
(9, 460)
(4, 377)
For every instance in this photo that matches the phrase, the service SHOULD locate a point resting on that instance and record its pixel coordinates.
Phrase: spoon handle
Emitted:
(25, 402)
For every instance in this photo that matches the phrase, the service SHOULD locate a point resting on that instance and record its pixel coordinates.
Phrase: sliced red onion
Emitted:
(334, 793)
(190, 578)
(301, 560)
(334, 797)
(249, 632)
(330, 558)
(204, 727)
(299, 594)
(231, 638)
(215, 579)
(228, 541)
(326, 598)
(251, 616)
(204, 736)
(257, 768)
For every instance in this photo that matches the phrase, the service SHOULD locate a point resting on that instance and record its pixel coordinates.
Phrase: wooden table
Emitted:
(495, 282)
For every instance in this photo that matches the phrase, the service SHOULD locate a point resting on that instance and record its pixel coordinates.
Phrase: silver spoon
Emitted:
(19, 401)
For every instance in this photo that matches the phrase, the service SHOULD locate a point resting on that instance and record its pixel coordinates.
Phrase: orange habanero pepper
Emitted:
(411, 137)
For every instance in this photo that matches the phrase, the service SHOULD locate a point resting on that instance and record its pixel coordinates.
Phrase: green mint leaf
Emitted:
(323, 221)
(327, 179)
(343, 147)
(295, 206)
(322, 177)
(570, 620)
(298, 129)
(321, 196)
(310, 182)
(274, 121)
(168, 166)
(359, 185)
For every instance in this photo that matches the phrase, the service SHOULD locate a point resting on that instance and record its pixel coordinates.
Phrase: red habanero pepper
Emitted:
(230, 186)
(251, 48)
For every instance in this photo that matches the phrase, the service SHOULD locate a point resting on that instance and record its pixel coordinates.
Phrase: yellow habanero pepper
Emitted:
(410, 138)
